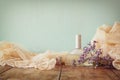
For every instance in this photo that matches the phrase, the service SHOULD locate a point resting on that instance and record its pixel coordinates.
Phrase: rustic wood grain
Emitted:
(68, 73)
(88, 73)
(29, 74)
(4, 69)
(117, 72)
(111, 74)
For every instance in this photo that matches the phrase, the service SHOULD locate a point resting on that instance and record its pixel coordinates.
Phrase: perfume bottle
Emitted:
(77, 49)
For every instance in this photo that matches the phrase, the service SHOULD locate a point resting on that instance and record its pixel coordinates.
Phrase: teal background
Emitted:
(42, 25)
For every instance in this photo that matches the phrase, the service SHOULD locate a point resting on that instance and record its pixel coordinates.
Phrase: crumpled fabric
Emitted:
(108, 39)
(13, 55)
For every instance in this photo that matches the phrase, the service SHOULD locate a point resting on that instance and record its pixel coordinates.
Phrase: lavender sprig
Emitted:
(94, 56)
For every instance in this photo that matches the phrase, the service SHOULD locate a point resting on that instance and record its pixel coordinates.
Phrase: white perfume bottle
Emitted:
(77, 49)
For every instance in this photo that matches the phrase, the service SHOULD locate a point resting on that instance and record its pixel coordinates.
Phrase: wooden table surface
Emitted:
(68, 73)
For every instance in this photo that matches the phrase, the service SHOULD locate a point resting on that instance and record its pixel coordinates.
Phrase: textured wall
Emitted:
(40, 25)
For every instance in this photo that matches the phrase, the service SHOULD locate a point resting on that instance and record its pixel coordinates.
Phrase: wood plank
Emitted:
(87, 73)
(4, 68)
(117, 72)
(68, 73)
(111, 74)
(29, 74)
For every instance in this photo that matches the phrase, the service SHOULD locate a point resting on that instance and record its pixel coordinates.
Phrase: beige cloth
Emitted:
(108, 38)
(15, 56)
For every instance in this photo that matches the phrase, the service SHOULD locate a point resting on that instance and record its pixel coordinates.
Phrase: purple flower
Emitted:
(98, 52)
(94, 58)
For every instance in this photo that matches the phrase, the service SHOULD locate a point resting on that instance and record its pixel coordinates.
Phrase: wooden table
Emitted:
(68, 73)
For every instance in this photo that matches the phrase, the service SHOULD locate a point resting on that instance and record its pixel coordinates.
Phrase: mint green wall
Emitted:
(40, 25)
